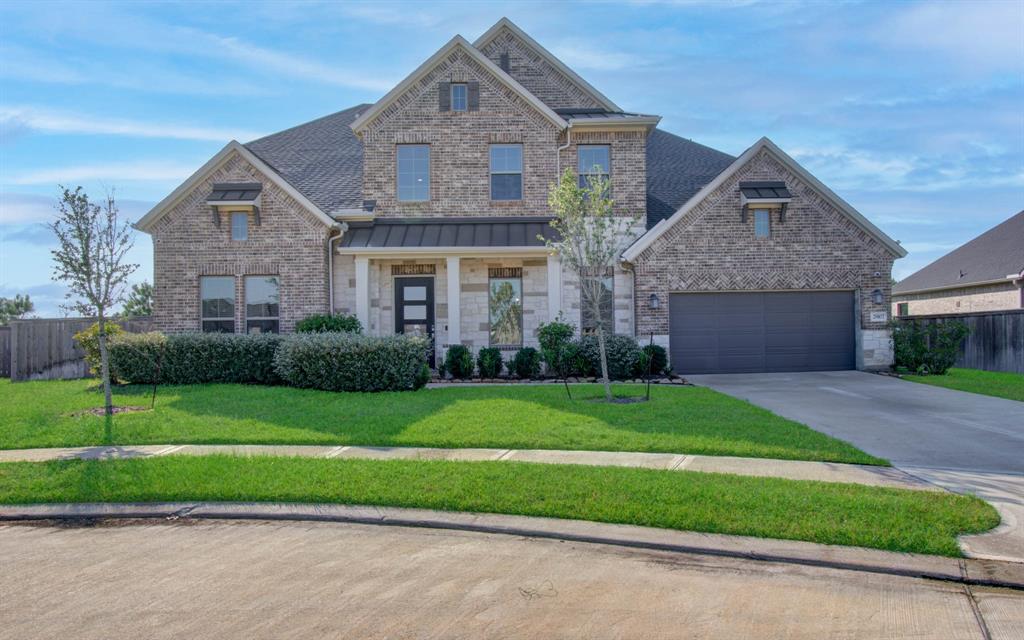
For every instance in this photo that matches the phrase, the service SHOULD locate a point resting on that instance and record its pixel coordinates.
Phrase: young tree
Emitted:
(14, 308)
(139, 302)
(90, 261)
(592, 239)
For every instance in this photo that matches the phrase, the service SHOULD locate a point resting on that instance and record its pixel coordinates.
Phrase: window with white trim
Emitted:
(262, 298)
(506, 172)
(460, 97)
(413, 172)
(217, 304)
(239, 225)
(593, 160)
(762, 223)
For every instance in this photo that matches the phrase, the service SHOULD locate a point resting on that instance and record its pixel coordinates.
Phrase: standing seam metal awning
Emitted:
(234, 192)
(406, 233)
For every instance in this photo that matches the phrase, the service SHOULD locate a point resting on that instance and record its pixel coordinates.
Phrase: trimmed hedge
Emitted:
(352, 362)
(622, 351)
(195, 358)
(526, 363)
(327, 323)
(656, 355)
(489, 362)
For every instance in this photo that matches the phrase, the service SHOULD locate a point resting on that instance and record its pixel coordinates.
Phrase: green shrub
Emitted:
(927, 347)
(327, 323)
(654, 354)
(554, 338)
(526, 363)
(351, 362)
(459, 361)
(623, 354)
(489, 362)
(195, 358)
(89, 340)
(422, 378)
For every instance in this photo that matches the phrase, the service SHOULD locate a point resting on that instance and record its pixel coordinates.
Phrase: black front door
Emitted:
(414, 309)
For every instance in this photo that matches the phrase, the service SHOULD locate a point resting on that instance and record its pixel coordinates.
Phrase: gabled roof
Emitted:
(655, 232)
(993, 256)
(458, 42)
(322, 158)
(146, 222)
(676, 169)
(505, 23)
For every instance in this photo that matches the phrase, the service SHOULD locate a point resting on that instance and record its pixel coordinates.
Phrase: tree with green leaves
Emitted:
(591, 240)
(139, 302)
(14, 308)
(93, 242)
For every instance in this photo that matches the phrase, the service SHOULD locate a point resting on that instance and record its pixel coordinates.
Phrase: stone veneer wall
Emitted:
(289, 243)
(817, 247)
(990, 297)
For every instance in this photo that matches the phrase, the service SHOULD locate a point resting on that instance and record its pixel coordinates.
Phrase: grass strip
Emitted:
(989, 383)
(677, 419)
(844, 514)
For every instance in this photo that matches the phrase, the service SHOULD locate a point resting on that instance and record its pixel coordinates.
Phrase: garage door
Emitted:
(752, 332)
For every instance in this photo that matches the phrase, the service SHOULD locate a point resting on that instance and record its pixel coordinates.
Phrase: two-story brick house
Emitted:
(421, 213)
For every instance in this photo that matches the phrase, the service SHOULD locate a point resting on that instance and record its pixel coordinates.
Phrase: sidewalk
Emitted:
(762, 467)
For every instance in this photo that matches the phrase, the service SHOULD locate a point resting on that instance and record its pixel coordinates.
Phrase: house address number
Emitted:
(879, 316)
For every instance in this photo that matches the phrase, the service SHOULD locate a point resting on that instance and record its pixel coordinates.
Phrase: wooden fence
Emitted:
(44, 349)
(996, 340)
(5, 352)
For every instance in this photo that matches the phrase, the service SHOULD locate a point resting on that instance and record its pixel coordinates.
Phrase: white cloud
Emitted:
(582, 54)
(113, 173)
(49, 121)
(21, 208)
(391, 16)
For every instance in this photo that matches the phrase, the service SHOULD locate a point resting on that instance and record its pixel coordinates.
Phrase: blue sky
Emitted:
(910, 111)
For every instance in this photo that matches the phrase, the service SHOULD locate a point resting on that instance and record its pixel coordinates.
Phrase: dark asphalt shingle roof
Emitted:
(449, 232)
(323, 159)
(993, 255)
(677, 168)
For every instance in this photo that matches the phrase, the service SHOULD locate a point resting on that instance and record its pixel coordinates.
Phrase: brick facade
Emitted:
(289, 242)
(817, 247)
(989, 297)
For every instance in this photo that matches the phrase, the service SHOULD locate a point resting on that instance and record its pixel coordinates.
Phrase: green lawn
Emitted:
(989, 383)
(678, 419)
(893, 519)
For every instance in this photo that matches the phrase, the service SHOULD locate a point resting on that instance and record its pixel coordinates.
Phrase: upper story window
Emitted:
(262, 304)
(413, 172)
(460, 97)
(217, 304)
(506, 172)
(239, 225)
(762, 223)
(593, 160)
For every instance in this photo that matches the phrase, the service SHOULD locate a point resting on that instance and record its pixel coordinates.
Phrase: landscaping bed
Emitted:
(891, 519)
(678, 419)
(989, 383)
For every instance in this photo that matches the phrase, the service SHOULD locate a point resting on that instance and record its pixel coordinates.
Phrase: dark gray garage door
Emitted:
(752, 332)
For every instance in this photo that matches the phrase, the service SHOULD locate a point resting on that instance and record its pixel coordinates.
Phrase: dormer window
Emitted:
(460, 97)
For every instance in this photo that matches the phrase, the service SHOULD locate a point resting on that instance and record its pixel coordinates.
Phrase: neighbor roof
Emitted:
(419, 233)
(992, 256)
(323, 159)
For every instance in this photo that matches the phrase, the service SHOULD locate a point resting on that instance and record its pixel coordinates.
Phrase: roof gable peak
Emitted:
(460, 43)
(504, 24)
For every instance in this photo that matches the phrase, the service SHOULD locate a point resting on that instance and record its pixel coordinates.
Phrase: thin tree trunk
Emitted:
(604, 363)
(108, 403)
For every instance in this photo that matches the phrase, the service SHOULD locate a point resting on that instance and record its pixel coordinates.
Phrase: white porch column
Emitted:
(554, 287)
(363, 292)
(454, 301)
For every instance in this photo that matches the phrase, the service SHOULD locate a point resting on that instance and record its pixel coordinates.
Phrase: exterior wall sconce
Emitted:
(877, 297)
(653, 302)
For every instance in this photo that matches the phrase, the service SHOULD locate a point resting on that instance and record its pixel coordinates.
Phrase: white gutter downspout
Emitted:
(341, 228)
(558, 152)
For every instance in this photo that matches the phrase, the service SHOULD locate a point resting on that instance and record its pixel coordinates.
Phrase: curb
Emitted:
(972, 572)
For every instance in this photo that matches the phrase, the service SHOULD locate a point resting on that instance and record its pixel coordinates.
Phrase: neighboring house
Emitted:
(986, 274)
(421, 213)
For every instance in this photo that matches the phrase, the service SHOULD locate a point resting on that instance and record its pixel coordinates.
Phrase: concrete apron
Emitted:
(964, 571)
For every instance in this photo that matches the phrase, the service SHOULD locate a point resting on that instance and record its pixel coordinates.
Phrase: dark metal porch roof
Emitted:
(404, 233)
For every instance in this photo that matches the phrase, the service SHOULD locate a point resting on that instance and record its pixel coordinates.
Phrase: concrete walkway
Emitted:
(762, 467)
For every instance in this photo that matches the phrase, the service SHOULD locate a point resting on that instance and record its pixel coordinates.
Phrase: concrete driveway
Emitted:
(965, 442)
(325, 580)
